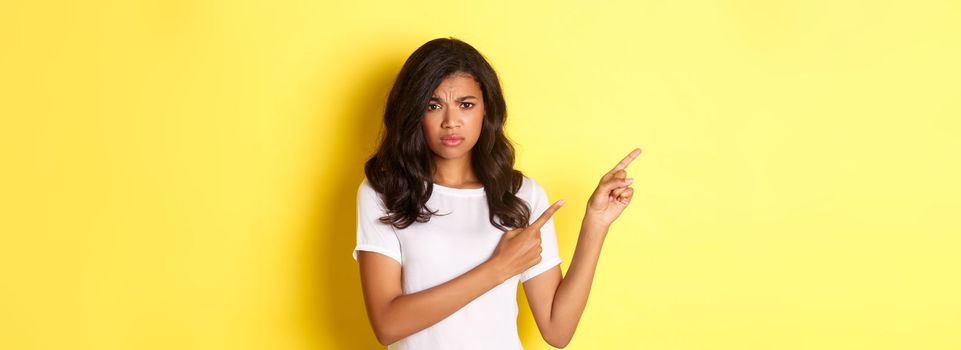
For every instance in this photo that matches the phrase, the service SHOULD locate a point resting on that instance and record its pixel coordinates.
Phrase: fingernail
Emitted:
(561, 202)
(629, 180)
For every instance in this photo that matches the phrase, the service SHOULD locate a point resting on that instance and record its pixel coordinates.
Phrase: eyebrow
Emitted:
(459, 99)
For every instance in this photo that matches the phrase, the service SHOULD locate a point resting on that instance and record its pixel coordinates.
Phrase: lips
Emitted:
(451, 140)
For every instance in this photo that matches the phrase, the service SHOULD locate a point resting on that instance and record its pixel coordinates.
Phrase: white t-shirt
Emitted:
(445, 247)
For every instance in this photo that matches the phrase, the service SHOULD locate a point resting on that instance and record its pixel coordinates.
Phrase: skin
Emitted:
(456, 107)
(556, 301)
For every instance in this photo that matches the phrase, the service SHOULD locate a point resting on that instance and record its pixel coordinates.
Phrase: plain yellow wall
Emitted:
(182, 174)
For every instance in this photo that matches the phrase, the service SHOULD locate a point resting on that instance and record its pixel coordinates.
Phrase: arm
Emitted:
(395, 315)
(558, 302)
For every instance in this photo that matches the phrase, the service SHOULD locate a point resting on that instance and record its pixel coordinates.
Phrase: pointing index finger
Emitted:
(627, 160)
(546, 215)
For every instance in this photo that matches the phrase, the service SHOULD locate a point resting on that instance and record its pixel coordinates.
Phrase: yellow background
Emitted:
(182, 174)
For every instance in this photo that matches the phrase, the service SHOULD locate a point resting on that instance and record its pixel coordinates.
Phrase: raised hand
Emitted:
(520, 249)
(612, 194)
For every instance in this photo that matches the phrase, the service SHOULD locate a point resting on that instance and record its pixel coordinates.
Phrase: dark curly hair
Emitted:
(401, 168)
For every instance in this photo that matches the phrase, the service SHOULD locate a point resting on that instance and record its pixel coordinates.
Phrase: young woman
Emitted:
(447, 228)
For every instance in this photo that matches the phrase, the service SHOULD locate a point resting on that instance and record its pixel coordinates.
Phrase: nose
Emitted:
(449, 122)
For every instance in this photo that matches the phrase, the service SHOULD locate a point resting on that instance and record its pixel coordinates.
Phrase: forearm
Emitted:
(410, 313)
(572, 293)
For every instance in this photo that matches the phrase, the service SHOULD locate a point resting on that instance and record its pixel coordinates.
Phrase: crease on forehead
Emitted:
(447, 89)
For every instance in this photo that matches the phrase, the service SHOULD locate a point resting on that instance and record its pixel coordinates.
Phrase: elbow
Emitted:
(558, 341)
(384, 338)
(385, 329)
(384, 335)
(384, 341)
(558, 345)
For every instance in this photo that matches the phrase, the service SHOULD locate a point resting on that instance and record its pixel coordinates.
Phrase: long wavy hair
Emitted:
(401, 168)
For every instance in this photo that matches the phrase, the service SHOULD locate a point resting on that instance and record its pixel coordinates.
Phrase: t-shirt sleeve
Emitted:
(373, 235)
(550, 256)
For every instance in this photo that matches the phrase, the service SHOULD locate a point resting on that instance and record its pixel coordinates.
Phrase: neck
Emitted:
(454, 172)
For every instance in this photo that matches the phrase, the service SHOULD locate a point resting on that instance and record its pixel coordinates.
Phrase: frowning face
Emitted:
(455, 114)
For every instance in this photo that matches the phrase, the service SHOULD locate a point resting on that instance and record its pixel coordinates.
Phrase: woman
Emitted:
(447, 227)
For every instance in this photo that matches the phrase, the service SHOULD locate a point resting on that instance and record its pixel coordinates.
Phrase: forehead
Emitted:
(456, 85)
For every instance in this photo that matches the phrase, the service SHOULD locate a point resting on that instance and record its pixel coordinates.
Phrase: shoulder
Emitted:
(365, 188)
(366, 194)
(530, 189)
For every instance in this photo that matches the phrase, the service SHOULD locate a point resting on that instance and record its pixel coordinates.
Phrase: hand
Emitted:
(520, 249)
(612, 194)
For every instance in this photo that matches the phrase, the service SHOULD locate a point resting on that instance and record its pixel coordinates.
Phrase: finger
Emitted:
(618, 175)
(625, 198)
(626, 161)
(618, 192)
(612, 184)
(546, 215)
(513, 232)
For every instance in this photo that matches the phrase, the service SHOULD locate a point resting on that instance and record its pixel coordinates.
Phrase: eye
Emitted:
(468, 103)
(430, 107)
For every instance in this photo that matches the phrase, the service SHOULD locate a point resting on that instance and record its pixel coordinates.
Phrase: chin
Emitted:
(447, 153)
(453, 155)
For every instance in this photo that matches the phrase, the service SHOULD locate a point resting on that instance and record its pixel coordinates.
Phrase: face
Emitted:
(455, 113)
